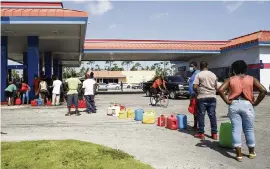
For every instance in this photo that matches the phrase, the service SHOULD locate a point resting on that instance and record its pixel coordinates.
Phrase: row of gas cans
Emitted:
(120, 111)
(39, 102)
(173, 122)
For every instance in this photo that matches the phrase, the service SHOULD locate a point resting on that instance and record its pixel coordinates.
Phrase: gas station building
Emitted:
(45, 37)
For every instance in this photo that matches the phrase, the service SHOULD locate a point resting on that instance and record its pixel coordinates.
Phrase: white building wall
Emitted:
(250, 56)
(138, 76)
(265, 73)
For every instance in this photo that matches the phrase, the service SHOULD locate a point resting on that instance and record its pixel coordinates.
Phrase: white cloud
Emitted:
(232, 6)
(99, 7)
(113, 26)
(159, 15)
(78, 1)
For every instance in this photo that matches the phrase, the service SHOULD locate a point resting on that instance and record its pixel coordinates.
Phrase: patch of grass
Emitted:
(65, 154)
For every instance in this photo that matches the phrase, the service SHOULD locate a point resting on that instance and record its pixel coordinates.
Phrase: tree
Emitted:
(15, 74)
(126, 63)
(147, 68)
(110, 62)
(68, 71)
(82, 71)
(116, 68)
(136, 66)
(91, 63)
(97, 67)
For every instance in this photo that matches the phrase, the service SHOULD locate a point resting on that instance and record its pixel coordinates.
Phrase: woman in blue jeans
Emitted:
(241, 106)
(25, 92)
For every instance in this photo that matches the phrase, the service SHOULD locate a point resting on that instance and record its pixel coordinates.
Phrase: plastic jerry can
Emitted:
(149, 117)
(130, 114)
(172, 122)
(109, 111)
(225, 135)
(39, 102)
(122, 108)
(49, 103)
(115, 110)
(161, 121)
(18, 101)
(33, 103)
(139, 114)
(122, 114)
(182, 121)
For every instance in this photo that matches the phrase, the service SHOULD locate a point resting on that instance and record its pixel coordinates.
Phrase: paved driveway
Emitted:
(156, 146)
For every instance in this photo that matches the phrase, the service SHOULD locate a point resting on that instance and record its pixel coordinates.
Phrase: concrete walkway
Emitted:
(159, 147)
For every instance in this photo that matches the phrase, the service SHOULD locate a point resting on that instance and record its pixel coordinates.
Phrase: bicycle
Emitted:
(159, 98)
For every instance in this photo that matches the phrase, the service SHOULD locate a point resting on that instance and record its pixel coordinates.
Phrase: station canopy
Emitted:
(149, 50)
(60, 31)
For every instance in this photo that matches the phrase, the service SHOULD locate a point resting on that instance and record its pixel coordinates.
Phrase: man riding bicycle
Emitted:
(159, 86)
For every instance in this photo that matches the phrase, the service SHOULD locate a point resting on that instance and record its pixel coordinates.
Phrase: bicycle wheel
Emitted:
(153, 100)
(164, 101)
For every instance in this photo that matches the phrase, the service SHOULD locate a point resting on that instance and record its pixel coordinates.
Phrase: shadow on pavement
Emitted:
(189, 130)
(214, 145)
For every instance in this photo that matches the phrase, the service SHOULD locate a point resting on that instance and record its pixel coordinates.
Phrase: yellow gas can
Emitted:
(130, 114)
(149, 117)
(122, 114)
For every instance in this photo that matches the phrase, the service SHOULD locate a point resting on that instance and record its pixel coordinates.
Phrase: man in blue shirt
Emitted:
(193, 67)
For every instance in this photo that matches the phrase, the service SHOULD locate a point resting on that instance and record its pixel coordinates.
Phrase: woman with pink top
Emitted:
(241, 105)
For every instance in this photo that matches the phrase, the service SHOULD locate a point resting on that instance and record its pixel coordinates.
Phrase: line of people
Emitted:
(203, 86)
(88, 89)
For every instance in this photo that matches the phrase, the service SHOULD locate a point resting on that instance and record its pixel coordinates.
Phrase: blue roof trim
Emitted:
(16, 67)
(267, 43)
(43, 20)
(243, 46)
(149, 51)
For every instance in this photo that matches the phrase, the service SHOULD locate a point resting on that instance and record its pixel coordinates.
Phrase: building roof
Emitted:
(259, 36)
(153, 45)
(41, 12)
(40, 4)
(108, 74)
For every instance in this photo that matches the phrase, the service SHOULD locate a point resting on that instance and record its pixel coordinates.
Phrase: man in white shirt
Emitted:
(89, 86)
(56, 91)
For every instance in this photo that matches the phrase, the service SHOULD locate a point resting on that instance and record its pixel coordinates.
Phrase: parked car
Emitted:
(114, 86)
(136, 86)
(127, 85)
(102, 86)
(176, 86)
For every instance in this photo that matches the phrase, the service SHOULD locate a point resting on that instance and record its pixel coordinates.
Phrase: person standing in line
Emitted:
(10, 92)
(205, 87)
(25, 92)
(43, 90)
(57, 84)
(121, 84)
(241, 106)
(193, 68)
(36, 87)
(73, 85)
(89, 86)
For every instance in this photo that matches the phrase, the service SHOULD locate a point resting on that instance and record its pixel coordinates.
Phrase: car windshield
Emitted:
(175, 79)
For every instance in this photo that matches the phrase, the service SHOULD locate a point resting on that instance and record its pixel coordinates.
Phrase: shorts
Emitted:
(10, 94)
(72, 99)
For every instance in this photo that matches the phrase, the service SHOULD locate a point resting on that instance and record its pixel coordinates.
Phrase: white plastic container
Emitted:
(109, 111)
(115, 110)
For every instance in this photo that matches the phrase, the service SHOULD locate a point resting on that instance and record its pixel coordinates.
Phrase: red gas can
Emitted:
(18, 101)
(161, 121)
(172, 122)
(49, 103)
(122, 108)
(33, 103)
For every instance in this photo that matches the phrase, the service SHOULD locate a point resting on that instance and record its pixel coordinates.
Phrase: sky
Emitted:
(173, 20)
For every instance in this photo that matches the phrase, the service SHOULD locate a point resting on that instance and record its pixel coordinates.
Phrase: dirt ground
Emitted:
(159, 147)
